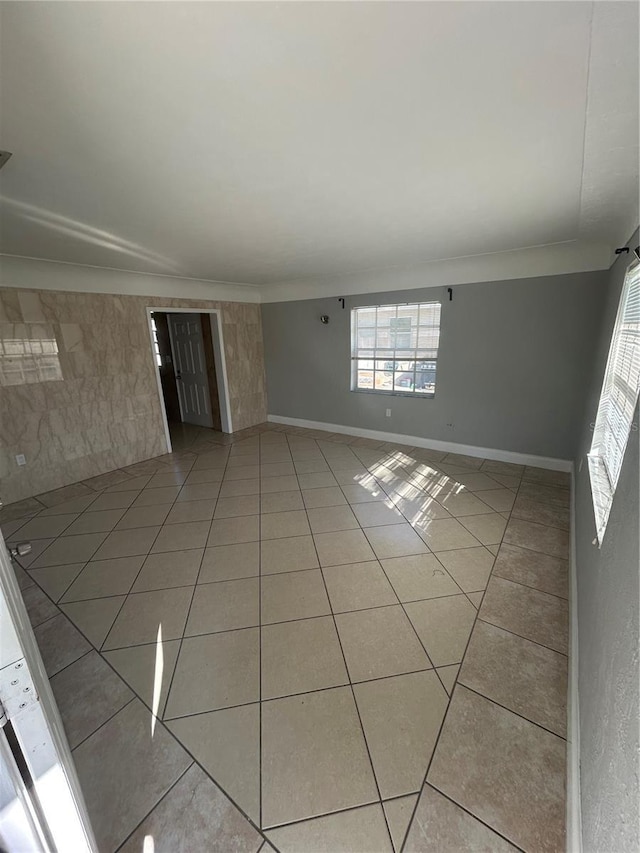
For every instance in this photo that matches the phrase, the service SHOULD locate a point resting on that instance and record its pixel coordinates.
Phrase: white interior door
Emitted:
(190, 366)
(41, 804)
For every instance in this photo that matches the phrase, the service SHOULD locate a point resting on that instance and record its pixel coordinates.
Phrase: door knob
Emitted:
(21, 549)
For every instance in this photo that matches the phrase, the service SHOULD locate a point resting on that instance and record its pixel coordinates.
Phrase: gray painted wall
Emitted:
(514, 364)
(608, 619)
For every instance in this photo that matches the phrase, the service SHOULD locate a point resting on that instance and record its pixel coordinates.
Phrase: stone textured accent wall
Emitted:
(78, 392)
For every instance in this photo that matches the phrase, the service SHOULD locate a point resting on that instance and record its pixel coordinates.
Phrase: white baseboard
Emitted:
(574, 808)
(432, 444)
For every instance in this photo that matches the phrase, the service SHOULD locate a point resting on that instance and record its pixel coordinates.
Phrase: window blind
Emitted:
(394, 348)
(618, 400)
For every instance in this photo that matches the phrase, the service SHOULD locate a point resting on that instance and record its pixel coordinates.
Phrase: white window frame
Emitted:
(389, 353)
(618, 401)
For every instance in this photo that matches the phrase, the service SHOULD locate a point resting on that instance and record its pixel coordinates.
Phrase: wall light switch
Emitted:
(20, 459)
(388, 413)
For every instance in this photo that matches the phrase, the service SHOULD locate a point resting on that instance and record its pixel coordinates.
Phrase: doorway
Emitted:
(190, 369)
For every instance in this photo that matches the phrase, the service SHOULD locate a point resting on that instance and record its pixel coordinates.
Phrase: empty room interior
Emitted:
(319, 463)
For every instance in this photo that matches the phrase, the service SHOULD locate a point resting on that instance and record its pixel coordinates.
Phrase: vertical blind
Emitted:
(618, 399)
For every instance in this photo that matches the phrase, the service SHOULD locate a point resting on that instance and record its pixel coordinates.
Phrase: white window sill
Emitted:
(602, 494)
(381, 393)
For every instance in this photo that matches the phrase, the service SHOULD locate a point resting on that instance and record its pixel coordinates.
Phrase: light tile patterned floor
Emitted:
(306, 640)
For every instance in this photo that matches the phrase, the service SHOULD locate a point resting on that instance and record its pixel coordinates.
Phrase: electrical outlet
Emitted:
(20, 459)
(388, 413)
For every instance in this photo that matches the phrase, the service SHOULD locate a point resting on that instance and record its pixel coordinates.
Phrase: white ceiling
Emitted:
(267, 143)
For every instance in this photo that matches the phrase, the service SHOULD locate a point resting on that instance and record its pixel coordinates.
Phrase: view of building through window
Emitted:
(394, 348)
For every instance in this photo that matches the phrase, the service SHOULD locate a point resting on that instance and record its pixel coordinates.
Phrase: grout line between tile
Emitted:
(446, 713)
(353, 696)
(336, 812)
(403, 603)
(477, 616)
(303, 692)
(111, 716)
(510, 710)
(522, 637)
(533, 550)
(186, 621)
(75, 660)
(534, 588)
(166, 794)
(471, 814)
(341, 442)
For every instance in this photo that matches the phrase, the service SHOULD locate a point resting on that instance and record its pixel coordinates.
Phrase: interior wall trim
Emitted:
(38, 274)
(574, 803)
(547, 462)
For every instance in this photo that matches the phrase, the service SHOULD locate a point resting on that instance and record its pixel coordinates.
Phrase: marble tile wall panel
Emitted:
(78, 393)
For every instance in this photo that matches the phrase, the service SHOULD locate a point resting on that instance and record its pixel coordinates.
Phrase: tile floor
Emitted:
(297, 641)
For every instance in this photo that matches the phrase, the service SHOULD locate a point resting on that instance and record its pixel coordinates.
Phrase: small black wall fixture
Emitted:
(624, 250)
(450, 292)
(341, 299)
(324, 319)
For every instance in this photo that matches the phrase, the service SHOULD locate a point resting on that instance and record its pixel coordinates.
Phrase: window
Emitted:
(30, 355)
(618, 400)
(394, 348)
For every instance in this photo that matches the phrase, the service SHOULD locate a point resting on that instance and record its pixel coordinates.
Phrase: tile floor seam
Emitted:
(165, 719)
(347, 810)
(109, 718)
(48, 619)
(186, 621)
(474, 816)
(194, 760)
(413, 628)
(492, 574)
(446, 713)
(447, 573)
(455, 518)
(126, 597)
(350, 677)
(67, 526)
(55, 539)
(159, 722)
(533, 551)
(477, 617)
(522, 637)
(352, 691)
(166, 794)
(528, 520)
(506, 708)
(534, 588)
(71, 663)
(299, 693)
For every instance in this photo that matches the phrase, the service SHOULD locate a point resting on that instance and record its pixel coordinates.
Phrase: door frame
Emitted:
(38, 728)
(215, 318)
